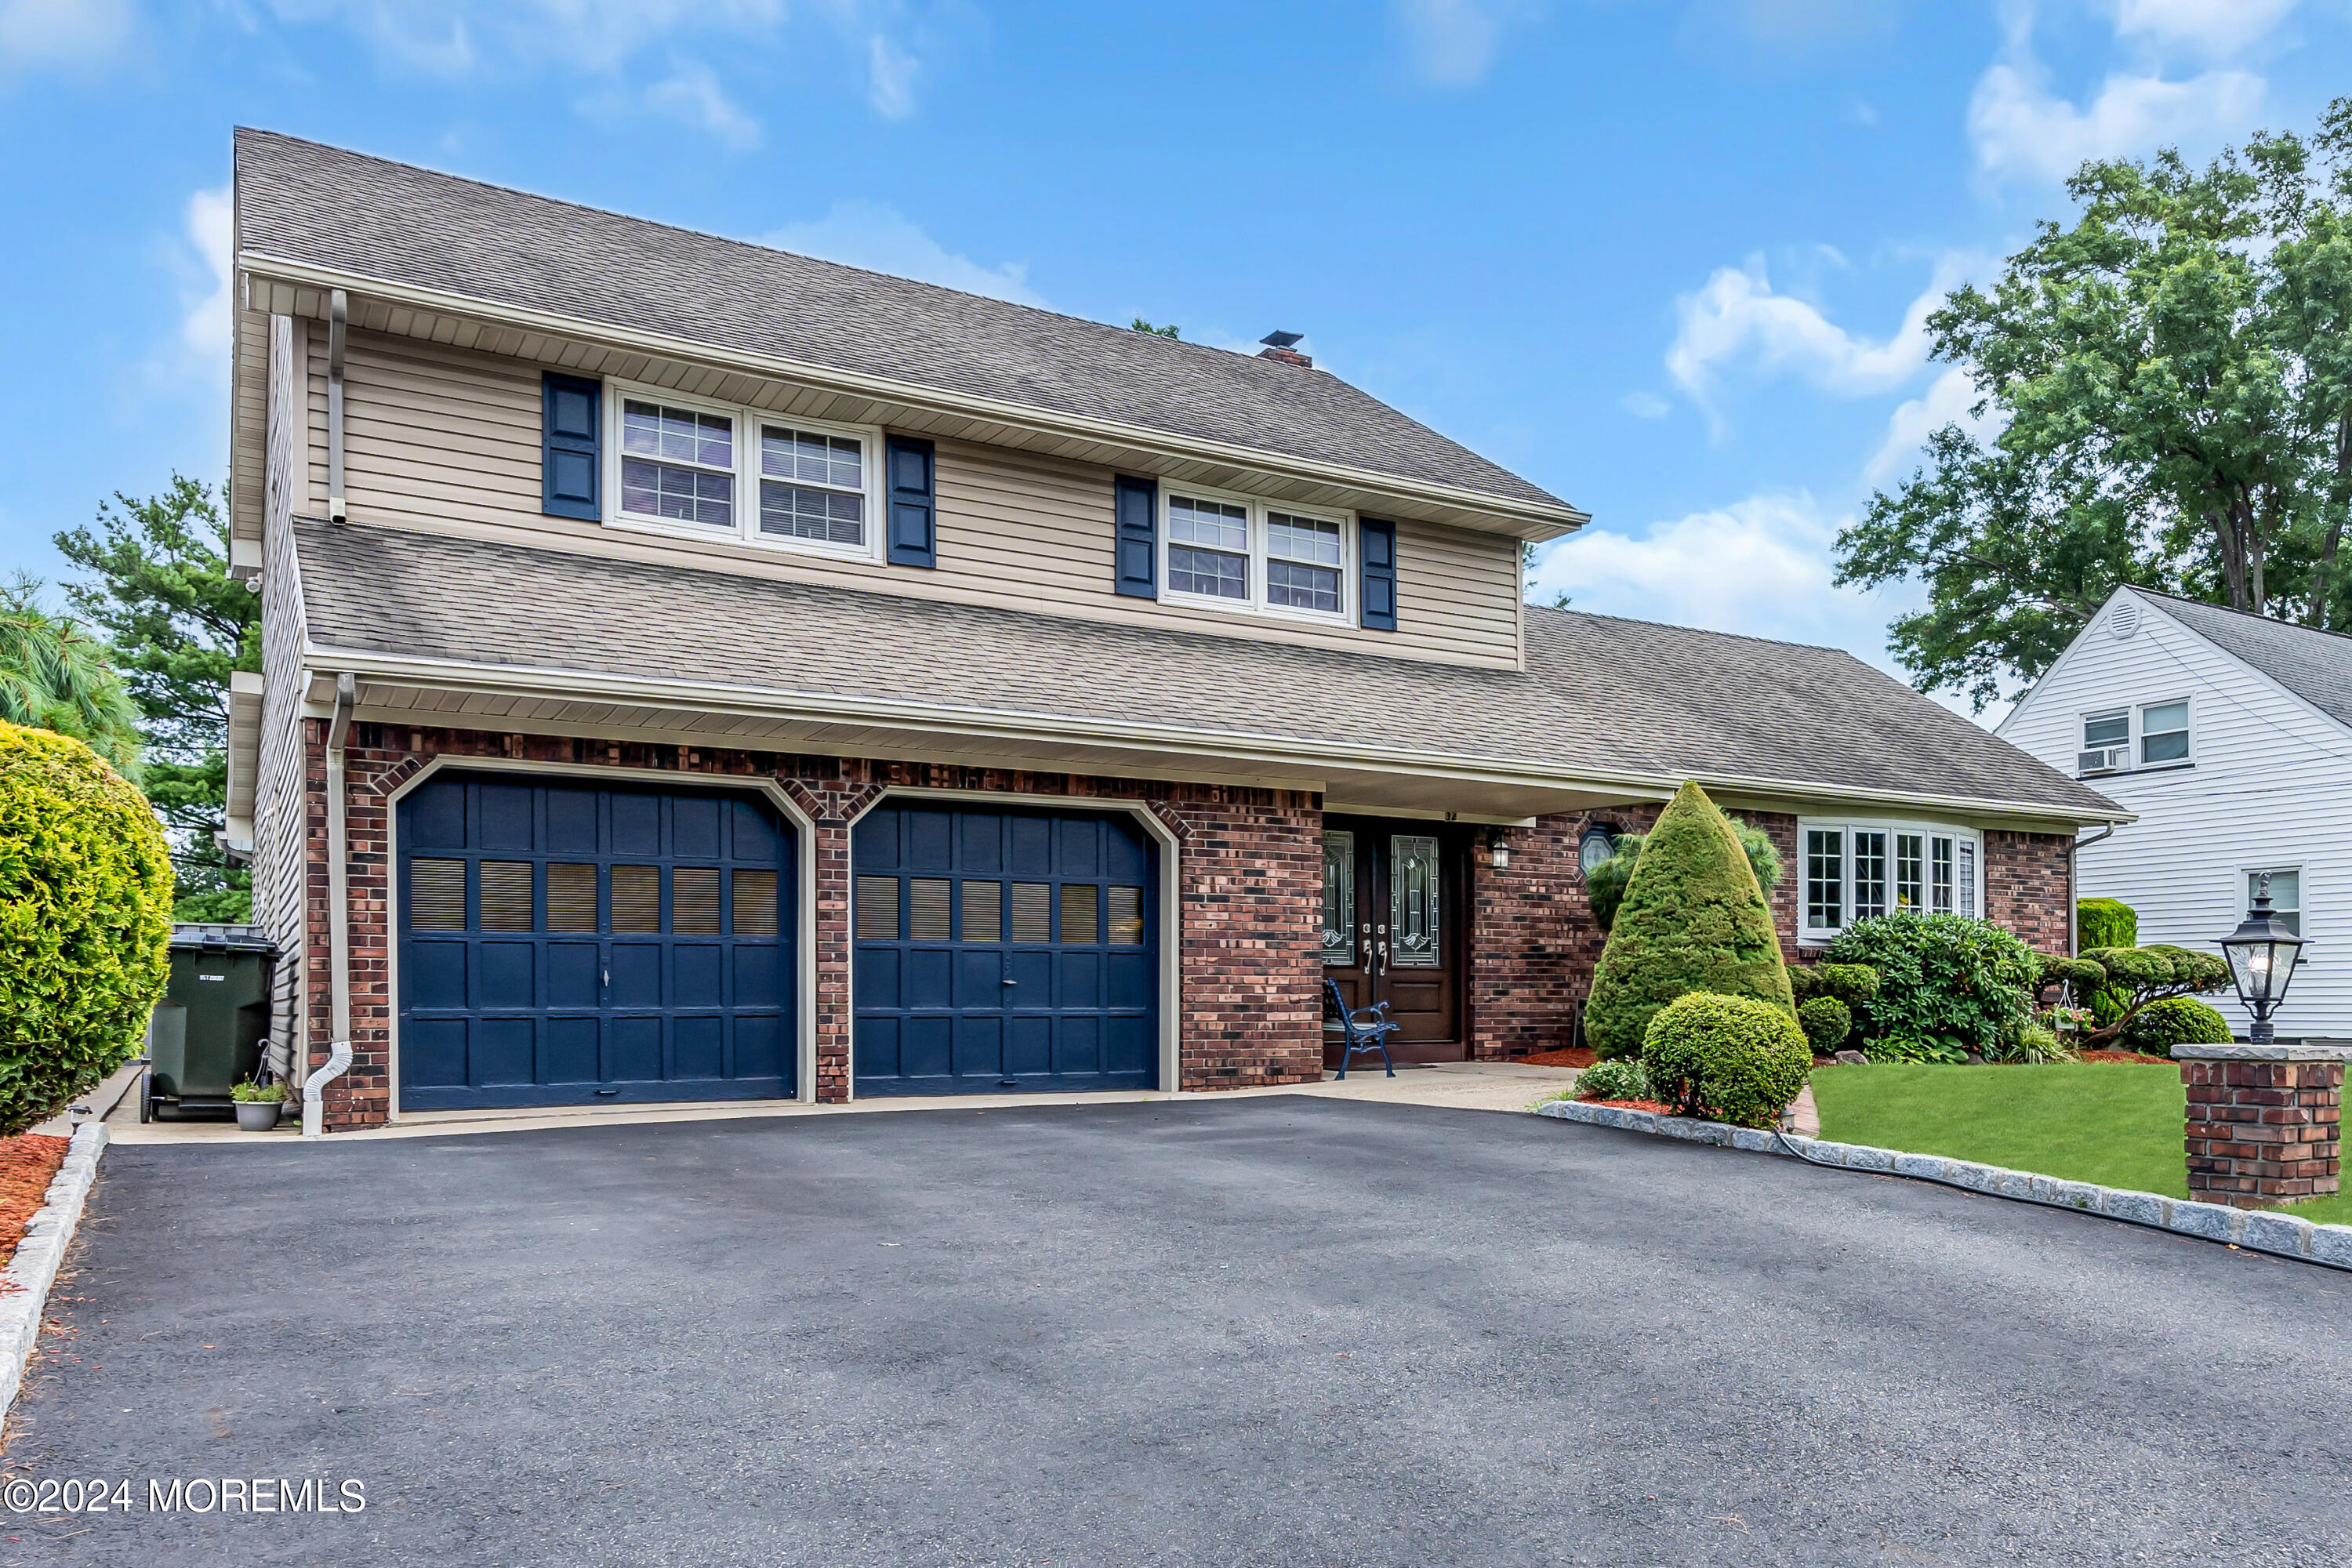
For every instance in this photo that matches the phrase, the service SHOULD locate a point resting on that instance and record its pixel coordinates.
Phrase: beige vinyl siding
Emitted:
(448, 439)
(281, 801)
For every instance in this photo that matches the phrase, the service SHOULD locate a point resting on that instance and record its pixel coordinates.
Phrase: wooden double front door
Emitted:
(1393, 925)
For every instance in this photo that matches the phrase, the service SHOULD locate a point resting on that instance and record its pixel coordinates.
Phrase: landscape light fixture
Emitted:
(2261, 952)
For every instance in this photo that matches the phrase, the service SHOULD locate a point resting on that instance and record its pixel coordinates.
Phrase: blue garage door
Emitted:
(1004, 951)
(564, 945)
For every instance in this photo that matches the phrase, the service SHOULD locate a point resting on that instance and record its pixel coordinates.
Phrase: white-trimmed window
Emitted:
(690, 466)
(2163, 733)
(2286, 894)
(1852, 871)
(1238, 554)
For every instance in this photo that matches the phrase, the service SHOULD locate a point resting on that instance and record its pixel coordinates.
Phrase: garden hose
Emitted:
(1782, 1138)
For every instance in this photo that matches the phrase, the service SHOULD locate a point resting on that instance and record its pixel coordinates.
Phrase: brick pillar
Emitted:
(2264, 1122)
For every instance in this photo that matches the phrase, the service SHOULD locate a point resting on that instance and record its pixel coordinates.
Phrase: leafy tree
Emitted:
(2142, 976)
(55, 676)
(1172, 333)
(2171, 382)
(155, 580)
(1694, 918)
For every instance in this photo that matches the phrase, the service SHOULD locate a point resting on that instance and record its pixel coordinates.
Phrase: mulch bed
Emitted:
(1574, 1057)
(1660, 1106)
(28, 1164)
(2124, 1057)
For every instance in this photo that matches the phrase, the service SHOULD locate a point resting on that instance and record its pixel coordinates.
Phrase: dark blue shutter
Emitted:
(913, 502)
(1376, 550)
(569, 431)
(1138, 505)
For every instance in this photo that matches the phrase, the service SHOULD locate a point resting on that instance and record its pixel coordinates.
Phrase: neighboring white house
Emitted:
(2230, 735)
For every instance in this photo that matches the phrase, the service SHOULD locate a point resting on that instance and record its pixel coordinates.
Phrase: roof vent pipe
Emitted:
(339, 919)
(338, 308)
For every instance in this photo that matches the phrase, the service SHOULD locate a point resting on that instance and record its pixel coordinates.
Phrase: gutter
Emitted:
(1534, 520)
(769, 702)
(339, 919)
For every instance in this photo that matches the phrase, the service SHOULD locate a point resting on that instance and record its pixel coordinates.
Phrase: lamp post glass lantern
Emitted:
(2262, 954)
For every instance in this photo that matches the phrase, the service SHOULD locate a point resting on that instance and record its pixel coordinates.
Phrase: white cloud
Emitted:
(205, 327)
(1760, 567)
(873, 235)
(889, 78)
(692, 93)
(1737, 321)
(61, 32)
(1948, 400)
(2215, 27)
(1645, 405)
(2021, 129)
(1452, 43)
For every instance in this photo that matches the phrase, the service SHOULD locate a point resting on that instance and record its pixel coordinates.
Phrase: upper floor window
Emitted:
(713, 468)
(1854, 870)
(2152, 735)
(1242, 555)
(2286, 894)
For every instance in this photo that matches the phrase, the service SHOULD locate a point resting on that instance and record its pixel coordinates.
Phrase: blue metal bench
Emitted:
(1365, 1030)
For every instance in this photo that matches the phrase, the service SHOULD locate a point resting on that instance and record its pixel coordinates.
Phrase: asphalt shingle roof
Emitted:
(1600, 694)
(2315, 666)
(331, 208)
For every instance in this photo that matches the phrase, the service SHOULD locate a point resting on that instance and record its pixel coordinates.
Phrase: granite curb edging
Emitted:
(2256, 1230)
(25, 1283)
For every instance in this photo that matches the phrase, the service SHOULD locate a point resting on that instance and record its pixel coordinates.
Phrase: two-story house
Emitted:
(694, 671)
(2230, 735)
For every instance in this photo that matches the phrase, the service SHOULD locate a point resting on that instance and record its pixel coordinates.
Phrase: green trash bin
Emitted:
(213, 1024)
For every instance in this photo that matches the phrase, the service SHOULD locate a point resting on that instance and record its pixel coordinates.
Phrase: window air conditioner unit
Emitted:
(2103, 760)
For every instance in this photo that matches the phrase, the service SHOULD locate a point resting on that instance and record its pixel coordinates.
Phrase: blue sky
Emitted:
(1668, 259)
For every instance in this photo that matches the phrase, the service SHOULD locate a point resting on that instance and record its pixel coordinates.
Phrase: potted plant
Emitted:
(257, 1105)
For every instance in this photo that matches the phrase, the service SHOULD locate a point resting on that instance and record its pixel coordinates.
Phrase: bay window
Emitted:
(1854, 870)
(1237, 554)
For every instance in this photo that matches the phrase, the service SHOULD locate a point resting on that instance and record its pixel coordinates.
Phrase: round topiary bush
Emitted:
(1694, 918)
(1826, 1022)
(1725, 1057)
(85, 923)
(2175, 1021)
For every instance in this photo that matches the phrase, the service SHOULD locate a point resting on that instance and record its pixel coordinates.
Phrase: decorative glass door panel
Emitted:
(1390, 903)
(1339, 899)
(1413, 898)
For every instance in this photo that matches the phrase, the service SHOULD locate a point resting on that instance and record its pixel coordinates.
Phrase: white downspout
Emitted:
(338, 307)
(339, 919)
(2074, 888)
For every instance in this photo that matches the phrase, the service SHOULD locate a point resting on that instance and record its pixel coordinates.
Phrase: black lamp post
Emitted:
(2262, 954)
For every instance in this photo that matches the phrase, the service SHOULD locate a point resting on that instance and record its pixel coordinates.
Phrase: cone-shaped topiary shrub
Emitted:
(1727, 1059)
(1692, 919)
(1605, 886)
(85, 923)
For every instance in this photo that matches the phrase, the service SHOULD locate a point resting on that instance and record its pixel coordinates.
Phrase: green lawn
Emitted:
(2115, 1123)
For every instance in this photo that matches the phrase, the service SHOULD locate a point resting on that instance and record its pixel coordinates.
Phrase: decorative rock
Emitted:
(1851, 1060)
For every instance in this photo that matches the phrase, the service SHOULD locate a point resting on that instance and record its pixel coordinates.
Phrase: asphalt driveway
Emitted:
(1268, 1330)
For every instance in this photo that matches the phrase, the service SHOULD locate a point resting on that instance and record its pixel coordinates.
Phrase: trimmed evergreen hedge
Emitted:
(1694, 918)
(85, 923)
(2175, 1021)
(1727, 1059)
(2105, 922)
(1827, 1023)
(1948, 985)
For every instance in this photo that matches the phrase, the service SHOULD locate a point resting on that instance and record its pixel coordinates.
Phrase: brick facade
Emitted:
(1535, 944)
(1249, 894)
